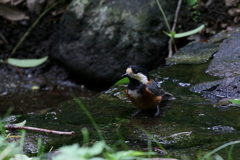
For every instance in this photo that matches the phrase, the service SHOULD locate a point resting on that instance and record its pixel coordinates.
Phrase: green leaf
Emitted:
(123, 80)
(20, 124)
(236, 101)
(188, 33)
(26, 63)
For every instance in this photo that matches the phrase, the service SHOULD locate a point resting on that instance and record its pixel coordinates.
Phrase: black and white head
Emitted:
(137, 73)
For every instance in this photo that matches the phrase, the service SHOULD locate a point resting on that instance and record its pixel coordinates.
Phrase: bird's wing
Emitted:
(155, 88)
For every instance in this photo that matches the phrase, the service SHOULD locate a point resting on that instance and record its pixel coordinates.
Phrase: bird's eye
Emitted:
(134, 70)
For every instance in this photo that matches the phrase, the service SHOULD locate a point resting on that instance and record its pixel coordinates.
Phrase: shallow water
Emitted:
(37, 100)
(188, 124)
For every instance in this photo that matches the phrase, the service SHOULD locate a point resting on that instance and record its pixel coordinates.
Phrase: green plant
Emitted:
(184, 34)
(194, 13)
(99, 151)
(236, 101)
(13, 149)
(213, 154)
(75, 152)
(8, 150)
(173, 33)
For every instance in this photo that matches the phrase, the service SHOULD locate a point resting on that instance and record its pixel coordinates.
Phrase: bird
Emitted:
(143, 92)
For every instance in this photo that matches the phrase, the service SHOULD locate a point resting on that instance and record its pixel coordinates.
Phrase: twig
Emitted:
(3, 38)
(14, 127)
(170, 42)
(176, 15)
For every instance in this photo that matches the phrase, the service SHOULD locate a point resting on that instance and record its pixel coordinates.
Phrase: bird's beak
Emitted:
(125, 75)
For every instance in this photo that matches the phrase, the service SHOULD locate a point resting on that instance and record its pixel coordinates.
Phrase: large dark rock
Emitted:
(98, 39)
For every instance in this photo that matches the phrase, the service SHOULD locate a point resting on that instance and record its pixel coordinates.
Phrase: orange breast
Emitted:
(147, 101)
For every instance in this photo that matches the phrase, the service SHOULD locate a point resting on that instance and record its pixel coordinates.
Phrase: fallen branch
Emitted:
(14, 127)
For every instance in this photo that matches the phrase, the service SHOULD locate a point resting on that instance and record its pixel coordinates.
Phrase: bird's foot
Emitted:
(138, 111)
(157, 112)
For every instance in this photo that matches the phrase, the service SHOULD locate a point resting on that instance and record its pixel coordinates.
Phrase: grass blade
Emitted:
(219, 148)
(89, 116)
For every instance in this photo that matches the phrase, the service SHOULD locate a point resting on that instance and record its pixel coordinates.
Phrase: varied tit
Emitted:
(142, 91)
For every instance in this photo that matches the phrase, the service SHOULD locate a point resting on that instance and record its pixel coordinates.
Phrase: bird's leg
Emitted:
(157, 112)
(138, 111)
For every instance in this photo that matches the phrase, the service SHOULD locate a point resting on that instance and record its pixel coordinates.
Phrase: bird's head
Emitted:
(137, 73)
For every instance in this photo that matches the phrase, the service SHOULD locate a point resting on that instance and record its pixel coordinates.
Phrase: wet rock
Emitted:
(223, 34)
(221, 128)
(220, 89)
(226, 60)
(225, 64)
(200, 52)
(193, 53)
(97, 39)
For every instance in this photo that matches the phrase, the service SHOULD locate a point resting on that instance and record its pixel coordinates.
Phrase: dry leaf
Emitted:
(12, 13)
